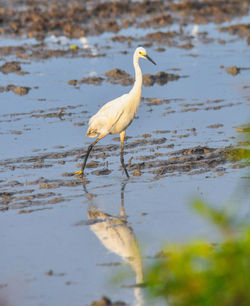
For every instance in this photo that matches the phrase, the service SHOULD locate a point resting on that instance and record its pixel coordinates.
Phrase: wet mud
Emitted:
(20, 194)
(241, 30)
(121, 77)
(77, 19)
(42, 51)
(9, 67)
(18, 90)
(183, 133)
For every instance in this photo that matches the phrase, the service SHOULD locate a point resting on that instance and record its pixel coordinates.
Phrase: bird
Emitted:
(116, 115)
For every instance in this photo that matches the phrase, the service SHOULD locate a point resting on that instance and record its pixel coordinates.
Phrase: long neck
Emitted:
(138, 77)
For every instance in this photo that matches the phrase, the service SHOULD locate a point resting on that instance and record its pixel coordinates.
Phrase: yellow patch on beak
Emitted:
(143, 53)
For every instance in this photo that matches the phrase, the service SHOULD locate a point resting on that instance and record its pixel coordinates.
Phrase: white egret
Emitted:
(115, 116)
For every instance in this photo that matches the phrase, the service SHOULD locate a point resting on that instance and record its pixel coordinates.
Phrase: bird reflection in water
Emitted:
(117, 236)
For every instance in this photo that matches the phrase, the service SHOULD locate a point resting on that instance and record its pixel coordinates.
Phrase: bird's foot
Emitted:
(79, 173)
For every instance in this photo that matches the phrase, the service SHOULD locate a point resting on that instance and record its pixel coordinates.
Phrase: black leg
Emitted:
(88, 152)
(122, 136)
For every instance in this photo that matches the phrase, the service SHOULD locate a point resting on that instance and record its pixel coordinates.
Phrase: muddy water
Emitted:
(73, 236)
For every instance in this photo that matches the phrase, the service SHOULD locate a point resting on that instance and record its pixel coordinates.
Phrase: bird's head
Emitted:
(142, 53)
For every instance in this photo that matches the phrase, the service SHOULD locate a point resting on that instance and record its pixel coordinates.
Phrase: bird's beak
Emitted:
(150, 59)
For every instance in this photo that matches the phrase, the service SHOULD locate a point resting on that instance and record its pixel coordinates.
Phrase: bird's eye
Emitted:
(139, 52)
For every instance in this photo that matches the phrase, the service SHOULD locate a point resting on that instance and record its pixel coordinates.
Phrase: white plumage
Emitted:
(112, 118)
(115, 116)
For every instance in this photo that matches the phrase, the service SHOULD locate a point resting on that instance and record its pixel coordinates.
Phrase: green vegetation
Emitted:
(202, 273)
(242, 151)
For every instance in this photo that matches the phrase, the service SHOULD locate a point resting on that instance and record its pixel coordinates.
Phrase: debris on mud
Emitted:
(201, 12)
(163, 38)
(18, 90)
(233, 70)
(121, 77)
(155, 101)
(52, 273)
(102, 172)
(122, 39)
(118, 76)
(49, 272)
(10, 67)
(137, 172)
(91, 80)
(215, 126)
(177, 39)
(194, 160)
(242, 30)
(161, 78)
(186, 46)
(92, 164)
(156, 22)
(42, 50)
(77, 19)
(115, 76)
(105, 301)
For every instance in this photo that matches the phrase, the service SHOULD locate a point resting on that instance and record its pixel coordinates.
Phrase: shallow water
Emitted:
(46, 227)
